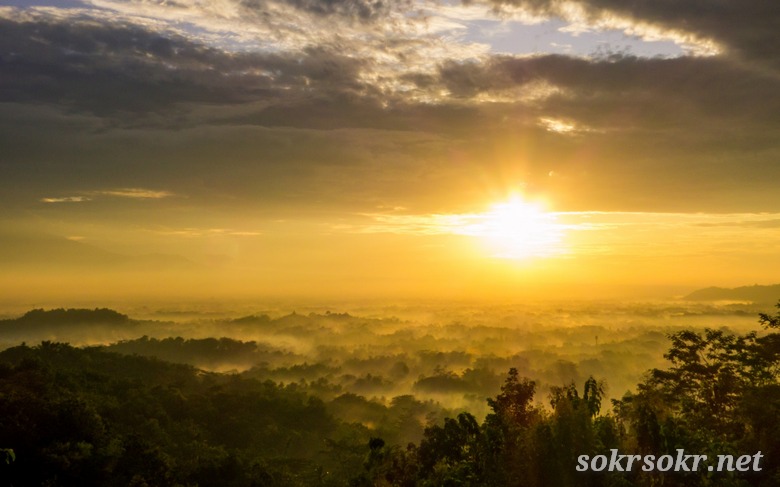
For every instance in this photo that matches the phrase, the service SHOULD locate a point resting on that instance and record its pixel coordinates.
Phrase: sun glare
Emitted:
(517, 229)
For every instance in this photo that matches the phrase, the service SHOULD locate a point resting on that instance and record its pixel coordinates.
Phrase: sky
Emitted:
(387, 149)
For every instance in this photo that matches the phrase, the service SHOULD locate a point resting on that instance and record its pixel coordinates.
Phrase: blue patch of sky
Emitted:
(514, 37)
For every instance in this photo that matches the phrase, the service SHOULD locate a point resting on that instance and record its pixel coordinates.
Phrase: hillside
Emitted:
(92, 418)
(756, 294)
(68, 316)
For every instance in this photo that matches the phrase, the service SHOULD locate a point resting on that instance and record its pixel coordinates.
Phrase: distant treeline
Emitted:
(756, 293)
(202, 352)
(71, 316)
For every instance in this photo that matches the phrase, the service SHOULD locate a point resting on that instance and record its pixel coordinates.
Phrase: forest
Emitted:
(499, 397)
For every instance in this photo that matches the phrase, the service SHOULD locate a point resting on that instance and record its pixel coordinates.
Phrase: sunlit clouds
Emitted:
(205, 232)
(130, 193)
(136, 193)
(298, 146)
(66, 199)
(391, 43)
(519, 230)
(559, 126)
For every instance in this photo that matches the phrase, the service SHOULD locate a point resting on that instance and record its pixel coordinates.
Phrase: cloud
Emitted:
(136, 74)
(559, 126)
(132, 193)
(479, 224)
(66, 199)
(768, 221)
(589, 233)
(136, 193)
(744, 30)
(357, 103)
(192, 232)
(363, 10)
(119, 68)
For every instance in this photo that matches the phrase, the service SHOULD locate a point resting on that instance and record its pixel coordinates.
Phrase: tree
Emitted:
(513, 405)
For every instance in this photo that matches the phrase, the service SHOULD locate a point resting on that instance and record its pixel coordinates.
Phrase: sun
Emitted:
(517, 229)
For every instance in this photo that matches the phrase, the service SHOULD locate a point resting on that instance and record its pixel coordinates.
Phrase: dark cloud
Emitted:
(122, 71)
(82, 99)
(363, 10)
(747, 29)
(626, 92)
(123, 68)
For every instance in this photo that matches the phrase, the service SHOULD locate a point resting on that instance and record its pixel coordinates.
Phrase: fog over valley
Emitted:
(453, 355)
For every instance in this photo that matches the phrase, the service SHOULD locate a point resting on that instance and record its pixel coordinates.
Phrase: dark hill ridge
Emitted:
(755, 294)
(73, 325)
(69, 316)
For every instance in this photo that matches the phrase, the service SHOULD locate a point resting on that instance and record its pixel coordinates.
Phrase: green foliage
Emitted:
(513, 406)
(769, 321)
(87, 417)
